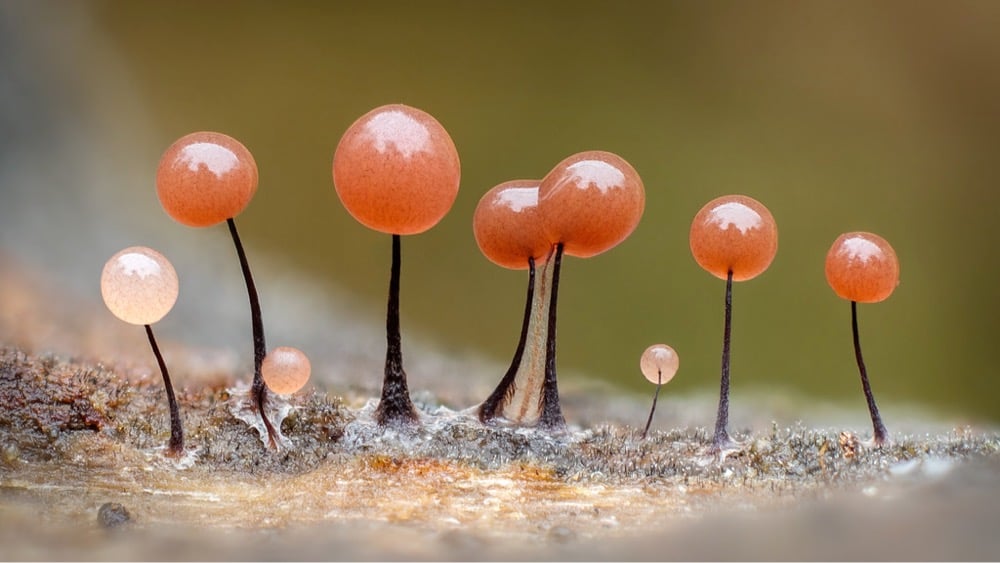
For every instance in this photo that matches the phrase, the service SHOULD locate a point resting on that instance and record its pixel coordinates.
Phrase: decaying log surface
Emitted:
(82, 474)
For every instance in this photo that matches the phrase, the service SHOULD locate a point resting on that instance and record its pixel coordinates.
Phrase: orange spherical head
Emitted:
(862, 267)
(285, 370)
(205, 178)
(139, 285)
(590, 202)
(396, 170)
(734, 232)
(508, 226)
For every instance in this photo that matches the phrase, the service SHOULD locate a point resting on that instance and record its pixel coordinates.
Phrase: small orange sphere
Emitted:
(139, 285)
(396, 170)
(862, 267)
(508, 226)
(734, 232)
(285, 370)
(590, 202)
(205, 178)
(659, 363)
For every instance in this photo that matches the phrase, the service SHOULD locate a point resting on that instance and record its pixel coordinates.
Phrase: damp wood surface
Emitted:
(79, 432)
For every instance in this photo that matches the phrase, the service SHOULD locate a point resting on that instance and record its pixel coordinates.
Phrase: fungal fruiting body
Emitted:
(863, 268)
(659, 364)
(734, 238)
(590, 202)
(139, 286)
(508, 230)
(285, 370)
(396, 170)
(587, 204)
(203, 179)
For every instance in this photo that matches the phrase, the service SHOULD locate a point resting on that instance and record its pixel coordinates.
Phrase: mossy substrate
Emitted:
(76, 436)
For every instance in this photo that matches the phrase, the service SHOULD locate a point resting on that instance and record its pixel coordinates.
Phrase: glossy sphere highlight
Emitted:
(285, 370)
(734, 232)
(862, 267)
(396, 170)
(205, 178)
(659, 363)
(139, 285)
(590, 202)
(508, 226)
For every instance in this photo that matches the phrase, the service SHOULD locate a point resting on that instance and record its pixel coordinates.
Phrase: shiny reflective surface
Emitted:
(862, 267)
(734, 232)
(734, 214)
(396, 170)
(508, 225)
(139, 285)
(659, 363)
(205, 178)
(590, 202)
(285, 370)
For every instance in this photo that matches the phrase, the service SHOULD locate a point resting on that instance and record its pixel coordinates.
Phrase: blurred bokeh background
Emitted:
(838, 116)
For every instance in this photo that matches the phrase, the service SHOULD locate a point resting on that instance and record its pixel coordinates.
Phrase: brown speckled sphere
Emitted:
(139, 285)
(285, 370)
(205, 178)
(862, 267)
(590, 202)
(396, 170)
(734, 232)
(659, 363)
(508, 226)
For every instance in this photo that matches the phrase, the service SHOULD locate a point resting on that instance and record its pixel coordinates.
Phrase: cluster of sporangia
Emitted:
(396, 170)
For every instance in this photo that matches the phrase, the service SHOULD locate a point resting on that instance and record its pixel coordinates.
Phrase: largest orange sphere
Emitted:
(508, 226)
(396, 170)
(862, 267)
(205, 178)
(734, 232)
(590, 202)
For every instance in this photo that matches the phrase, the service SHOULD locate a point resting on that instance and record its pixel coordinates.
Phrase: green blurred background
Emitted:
(839, 116)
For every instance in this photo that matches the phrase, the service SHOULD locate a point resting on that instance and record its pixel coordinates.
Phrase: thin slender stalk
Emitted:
(659, 385)
(395, 405)
(505, 389)
(176, 446)
(881, 435)
(721, 437)
(258, 390)
(552, 416)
